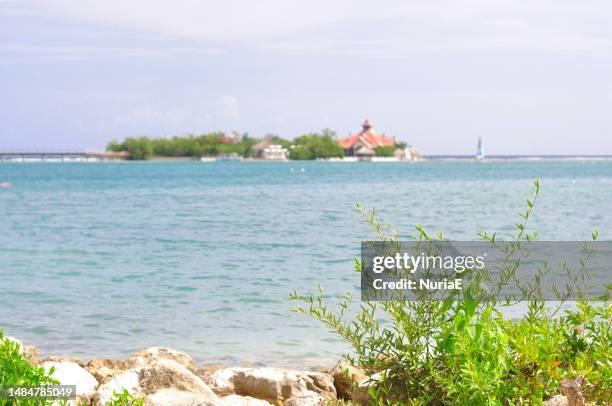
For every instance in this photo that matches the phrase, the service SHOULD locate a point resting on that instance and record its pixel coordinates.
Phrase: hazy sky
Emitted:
(530, 77)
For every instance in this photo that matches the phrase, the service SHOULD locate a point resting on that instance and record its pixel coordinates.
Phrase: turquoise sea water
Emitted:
(106, 259)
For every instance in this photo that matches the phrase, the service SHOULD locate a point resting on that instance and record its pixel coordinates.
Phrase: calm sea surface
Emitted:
(106, 259)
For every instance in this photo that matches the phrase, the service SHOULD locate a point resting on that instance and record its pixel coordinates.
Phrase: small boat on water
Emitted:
(480, 154)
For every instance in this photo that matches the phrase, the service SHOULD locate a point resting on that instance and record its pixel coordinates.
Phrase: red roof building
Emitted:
(365, 142)
(223, 139)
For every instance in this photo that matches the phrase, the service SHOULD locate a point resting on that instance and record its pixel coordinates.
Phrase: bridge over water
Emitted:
(60, 156)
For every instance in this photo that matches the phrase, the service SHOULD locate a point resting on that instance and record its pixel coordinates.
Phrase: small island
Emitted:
(365, 145)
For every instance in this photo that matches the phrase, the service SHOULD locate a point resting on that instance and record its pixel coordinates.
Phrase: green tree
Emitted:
(385, 151)
(246, 144)
(308, 146)
(300, 152)
(315, 145)
(114, 146)
(138, 148)
(181, 146)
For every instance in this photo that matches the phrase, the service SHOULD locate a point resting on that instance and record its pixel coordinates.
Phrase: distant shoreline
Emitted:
(519, 158)
(424, 159)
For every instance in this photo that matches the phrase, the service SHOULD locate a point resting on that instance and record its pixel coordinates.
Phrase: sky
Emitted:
(528, 76)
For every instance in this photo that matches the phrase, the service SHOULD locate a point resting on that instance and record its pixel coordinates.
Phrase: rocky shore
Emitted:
(165, 377)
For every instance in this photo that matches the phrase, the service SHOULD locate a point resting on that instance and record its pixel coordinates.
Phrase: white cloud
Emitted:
(212, 19)
(334, 26)
(13, 53)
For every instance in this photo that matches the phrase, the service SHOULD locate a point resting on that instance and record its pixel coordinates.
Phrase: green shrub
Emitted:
(385, 151)
(463, 351)
(125, 399)
(16, 371)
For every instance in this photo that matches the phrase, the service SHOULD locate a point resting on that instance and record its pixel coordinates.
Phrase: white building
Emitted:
(275, 152)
